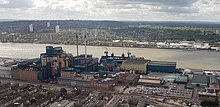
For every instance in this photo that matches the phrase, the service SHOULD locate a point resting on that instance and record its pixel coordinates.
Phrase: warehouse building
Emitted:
(181, 80)
(137, 66)
(199, 80)
(25, 75)
(218, 80)
(161, 66)
(27, 70)
(68, 73)
(128, 79)
(84, 64)
(74, 82)
(167, 77)
(150, 82)
(208, 94)
(105, 84)
(112, 61)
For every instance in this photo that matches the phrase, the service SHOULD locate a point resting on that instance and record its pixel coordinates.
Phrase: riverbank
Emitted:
(124, 46)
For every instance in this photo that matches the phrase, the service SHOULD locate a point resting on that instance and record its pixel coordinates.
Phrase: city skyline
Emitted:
(127, 10)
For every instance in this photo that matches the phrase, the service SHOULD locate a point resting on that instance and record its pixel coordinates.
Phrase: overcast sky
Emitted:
(135, 10)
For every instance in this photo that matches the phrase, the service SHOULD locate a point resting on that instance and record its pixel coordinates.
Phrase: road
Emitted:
(56, 86)
(195, 97)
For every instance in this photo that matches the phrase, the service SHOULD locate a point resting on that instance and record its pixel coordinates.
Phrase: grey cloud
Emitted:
(180, 3)
(17, 4)
(180, 10)
(178, 6)
(113, 9)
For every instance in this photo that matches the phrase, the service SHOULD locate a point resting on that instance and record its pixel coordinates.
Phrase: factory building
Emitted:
(74, 82)
(155, 77)
(113, 61)
(150, 82)
(137, 66)
(27, 70)
(48, 66)
(68, 73)
(52, 62)
(161, 66)
(84, 64)
(218, 80)
(208, 94)
(105, 84)
(199, 80)
(128, 79)
(57, 63)
(88, 80)
(25, 75)
(181, 80)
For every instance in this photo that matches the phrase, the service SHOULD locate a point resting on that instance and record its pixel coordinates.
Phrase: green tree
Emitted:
(63, 91)
(209, 104)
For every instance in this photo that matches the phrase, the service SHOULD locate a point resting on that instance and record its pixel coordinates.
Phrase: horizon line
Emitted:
(9, 20)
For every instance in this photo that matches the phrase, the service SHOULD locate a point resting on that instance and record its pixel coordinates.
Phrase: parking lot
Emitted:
(172, 92)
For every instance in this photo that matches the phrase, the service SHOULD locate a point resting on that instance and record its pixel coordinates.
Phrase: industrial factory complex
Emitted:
(56, 64)
(111, 81)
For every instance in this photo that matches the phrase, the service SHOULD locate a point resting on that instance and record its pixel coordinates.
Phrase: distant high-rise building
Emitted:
(31, 28)
(48, 24)
(57, 29)
(217, 31)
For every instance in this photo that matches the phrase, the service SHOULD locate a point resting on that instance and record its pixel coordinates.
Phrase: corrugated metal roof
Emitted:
(136, 61)
(151, 81)
(162, 63)
(166, 76)
(203, 79)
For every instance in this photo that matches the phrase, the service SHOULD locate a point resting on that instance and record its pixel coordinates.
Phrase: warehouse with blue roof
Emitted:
(161, 66)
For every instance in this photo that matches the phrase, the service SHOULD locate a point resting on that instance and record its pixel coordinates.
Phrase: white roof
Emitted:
(116, 41)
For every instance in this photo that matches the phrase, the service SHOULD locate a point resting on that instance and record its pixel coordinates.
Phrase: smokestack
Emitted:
(129, 54)
(77, 45)
(106, 52)
(85, 45)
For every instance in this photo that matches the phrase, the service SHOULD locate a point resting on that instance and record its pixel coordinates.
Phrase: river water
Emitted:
(184, 59)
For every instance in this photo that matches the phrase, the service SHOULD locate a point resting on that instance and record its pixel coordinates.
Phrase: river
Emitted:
(185, 59)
